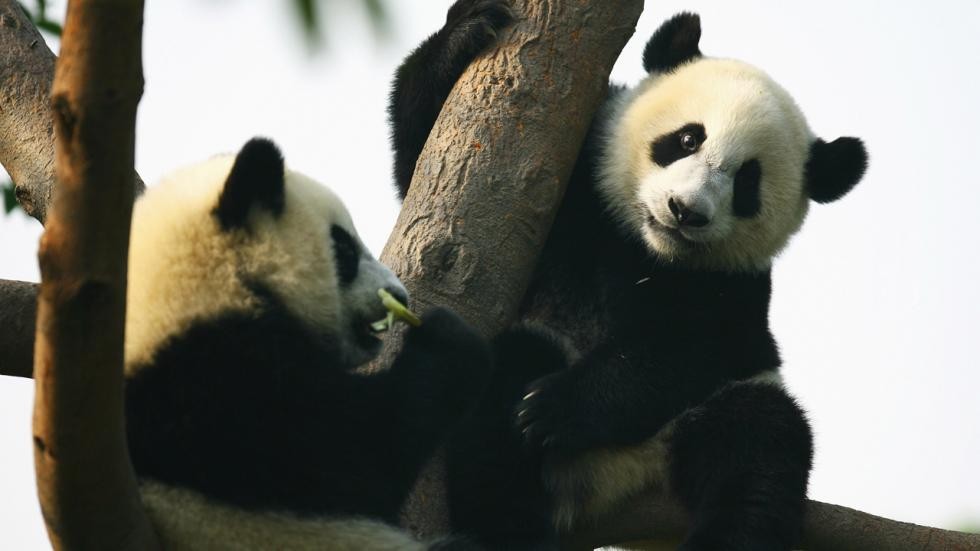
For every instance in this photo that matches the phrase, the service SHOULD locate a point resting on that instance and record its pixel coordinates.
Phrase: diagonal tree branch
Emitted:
(26, 125)
(489, 180)
(85, 480)
(26, 131)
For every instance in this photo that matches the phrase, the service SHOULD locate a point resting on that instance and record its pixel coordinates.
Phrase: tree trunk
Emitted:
(489, 180)
(85, 481)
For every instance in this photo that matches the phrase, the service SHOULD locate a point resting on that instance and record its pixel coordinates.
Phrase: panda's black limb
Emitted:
(423, 81)
(251, 410)
(494, 480)
(740, 463)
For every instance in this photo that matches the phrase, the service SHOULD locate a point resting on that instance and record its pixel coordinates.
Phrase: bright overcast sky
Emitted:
(876, 304)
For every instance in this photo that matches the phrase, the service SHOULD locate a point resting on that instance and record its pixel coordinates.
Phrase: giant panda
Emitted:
(250, 302)
(657, 269)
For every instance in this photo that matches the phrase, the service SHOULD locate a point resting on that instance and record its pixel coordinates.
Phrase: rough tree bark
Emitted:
(460, 253)
(86, 484)
(26, 126)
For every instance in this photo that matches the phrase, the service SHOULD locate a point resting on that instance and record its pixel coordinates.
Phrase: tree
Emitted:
(444, 253)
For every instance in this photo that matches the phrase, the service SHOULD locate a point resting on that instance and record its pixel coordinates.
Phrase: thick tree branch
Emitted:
(489, 180)
(26, 125)
(655, 518)
(86, 484)
(18, 306)
(26, 131)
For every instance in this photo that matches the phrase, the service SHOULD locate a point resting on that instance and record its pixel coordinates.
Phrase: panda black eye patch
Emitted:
(346, 254)
(746, 200)
(678, 144)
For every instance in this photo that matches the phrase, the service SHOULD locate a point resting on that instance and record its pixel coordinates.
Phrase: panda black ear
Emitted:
(834, 168)
(256, 178)
(675, 42)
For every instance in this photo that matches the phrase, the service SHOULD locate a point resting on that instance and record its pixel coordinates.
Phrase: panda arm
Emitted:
(611, 397)
(423, 81)
(441, 370)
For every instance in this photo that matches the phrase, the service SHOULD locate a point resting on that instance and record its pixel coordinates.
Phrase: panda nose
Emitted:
(685, 216)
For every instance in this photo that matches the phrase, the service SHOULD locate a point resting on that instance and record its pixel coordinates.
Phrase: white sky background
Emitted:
(876, 304)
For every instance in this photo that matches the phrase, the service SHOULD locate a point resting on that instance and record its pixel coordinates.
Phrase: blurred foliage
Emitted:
(9, 197)
(39, 15)
(311, 16)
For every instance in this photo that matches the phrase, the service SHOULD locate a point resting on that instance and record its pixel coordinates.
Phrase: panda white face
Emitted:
(211, 239)
(707, 165)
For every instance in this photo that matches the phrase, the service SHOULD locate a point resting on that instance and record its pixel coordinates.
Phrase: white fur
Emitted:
(597, 481)
(746, 116)
(183, 268)
(187, 520)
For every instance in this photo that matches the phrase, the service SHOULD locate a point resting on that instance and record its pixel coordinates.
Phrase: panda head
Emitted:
(711, 162)
(223, 236)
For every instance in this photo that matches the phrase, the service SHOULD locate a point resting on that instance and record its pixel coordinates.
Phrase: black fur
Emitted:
(740, 461)
(654, 341)
(834, 168)
(674, 43)
(421, 84)
(494, 481)
(256, 179)
(668, 148)
(346, 253)
(746, 201)
(252, 409)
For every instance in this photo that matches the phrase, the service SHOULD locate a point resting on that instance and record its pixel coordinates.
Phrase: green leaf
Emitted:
(306, 10)
(9, 197)
(376, 10)
(49, 26)
(42, 6)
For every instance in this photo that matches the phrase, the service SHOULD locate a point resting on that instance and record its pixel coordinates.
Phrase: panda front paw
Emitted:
(457, 356)
(551, 416)
(473, 25)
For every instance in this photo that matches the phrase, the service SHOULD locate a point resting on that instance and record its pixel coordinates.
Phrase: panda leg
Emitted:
(740, 462)
(496, 494)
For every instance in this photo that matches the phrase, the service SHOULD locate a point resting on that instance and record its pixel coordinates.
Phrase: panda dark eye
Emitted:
(680, 143)
(346, 254)
(689, 142)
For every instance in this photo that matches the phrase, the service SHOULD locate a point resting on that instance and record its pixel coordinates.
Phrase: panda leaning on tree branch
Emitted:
(657, 268)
